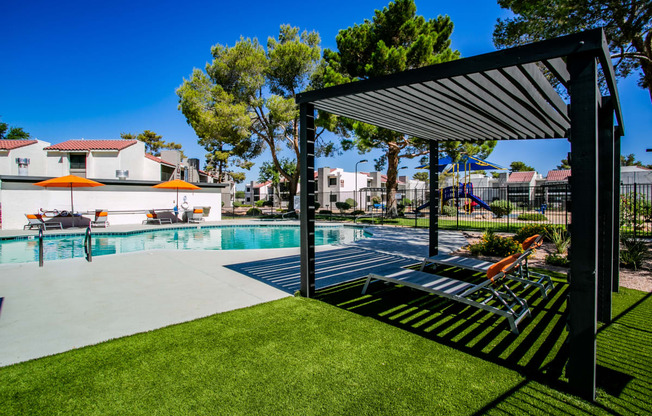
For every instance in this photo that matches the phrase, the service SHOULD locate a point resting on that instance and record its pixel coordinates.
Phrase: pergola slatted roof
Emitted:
(501, 95)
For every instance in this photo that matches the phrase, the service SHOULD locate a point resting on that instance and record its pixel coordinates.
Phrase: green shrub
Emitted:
(358, 212)
(406, 201)
(237, 204)
(449, 211)
(633, 253)
(351, 202)
(501, 208)
(259, 203)
(325, 212)
(240, 194)
(400, 208)
(375, 200)
(268, 203)
(557, 260)
(560, 238)
(342, 206)
(317, 205)
(532, 217)
(532, 229)
(495, 245)
(254, 212)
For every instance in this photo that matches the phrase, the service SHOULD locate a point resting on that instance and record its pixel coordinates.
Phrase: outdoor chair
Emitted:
(493, 295)
(101, 218)
(36, 220)
(197, 215)
(153, 218)
(521, 274)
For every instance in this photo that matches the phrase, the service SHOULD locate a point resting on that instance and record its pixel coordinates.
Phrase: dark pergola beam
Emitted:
(582, 307)
(616, 213)
(605, 208)
(433, 229)
(307, 204)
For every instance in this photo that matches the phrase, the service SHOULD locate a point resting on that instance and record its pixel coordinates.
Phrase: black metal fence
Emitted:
(467, 208)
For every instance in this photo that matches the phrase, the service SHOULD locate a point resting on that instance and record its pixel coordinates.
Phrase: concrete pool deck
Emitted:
(72, 303)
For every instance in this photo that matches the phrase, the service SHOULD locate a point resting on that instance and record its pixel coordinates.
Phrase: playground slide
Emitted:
(478, 201)
(448, 194)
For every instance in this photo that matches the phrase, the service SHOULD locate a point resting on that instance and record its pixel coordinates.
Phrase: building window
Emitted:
(332, 181)
(333, 198)
(77, 161)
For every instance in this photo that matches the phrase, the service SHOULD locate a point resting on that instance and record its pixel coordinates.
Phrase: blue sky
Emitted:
(95, 69)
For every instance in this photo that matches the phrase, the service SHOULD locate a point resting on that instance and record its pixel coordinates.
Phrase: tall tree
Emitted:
(153, 142)
(630, 160)
(518, 166)
(12, 133)
(396, 39)
(421, 176)
(268, 172)
(251, 93)
(627, 24)
(564, 164)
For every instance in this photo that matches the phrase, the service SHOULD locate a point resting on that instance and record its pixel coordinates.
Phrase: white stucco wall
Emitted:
(34, 152)
(57, 164)
(17, 203)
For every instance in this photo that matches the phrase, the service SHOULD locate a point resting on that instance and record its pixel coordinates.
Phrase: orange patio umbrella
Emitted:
(69, 181)
(176, 184)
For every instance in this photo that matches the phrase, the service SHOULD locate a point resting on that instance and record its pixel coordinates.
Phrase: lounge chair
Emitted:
(492, 295)
(153, 218)
(197, 215)
(36, 220)
(101, 218)
(520, 274)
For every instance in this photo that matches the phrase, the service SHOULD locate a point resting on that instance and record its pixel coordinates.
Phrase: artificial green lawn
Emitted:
(392, 351)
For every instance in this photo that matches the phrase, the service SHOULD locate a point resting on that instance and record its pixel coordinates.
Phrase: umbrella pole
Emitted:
(72, 207)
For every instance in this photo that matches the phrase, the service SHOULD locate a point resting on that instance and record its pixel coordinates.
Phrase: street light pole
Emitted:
(355, 191)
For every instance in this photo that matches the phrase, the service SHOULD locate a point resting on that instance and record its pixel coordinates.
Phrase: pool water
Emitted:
(215, 238)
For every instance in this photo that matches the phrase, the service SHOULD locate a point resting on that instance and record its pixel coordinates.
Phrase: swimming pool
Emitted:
(204, 238)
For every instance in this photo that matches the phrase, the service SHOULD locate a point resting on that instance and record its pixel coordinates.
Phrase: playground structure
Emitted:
(463, 190)
(460, 192)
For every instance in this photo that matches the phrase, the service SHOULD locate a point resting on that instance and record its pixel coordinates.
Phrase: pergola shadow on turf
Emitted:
(505, 95)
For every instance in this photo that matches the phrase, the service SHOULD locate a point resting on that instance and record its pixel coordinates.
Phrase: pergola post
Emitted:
(307, 205)
(616, 212)
(582, 305)
(605, 208)
(433, 231)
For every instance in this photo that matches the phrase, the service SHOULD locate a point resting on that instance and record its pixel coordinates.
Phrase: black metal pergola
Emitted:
(505, 95)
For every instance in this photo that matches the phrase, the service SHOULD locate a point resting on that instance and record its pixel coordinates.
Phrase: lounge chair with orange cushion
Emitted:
(197, 215)
(101, 218)
(521, 274)
(36, 220)
(153, 218)
(493, 295)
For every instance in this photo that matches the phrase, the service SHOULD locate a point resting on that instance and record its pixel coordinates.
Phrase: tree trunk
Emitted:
(392, 173)
(292, 190)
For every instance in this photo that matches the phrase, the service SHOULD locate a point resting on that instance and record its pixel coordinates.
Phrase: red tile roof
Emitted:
(87, 145)
(15, 144)
(158, 159)
(261, 185)
(558, 175)
(521, 177)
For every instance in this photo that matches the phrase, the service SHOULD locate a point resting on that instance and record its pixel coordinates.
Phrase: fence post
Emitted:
(635, 210)
(507, 199)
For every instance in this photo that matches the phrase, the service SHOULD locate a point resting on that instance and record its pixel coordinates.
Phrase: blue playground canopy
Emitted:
(466, 163)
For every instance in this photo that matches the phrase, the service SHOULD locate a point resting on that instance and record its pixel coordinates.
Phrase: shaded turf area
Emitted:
(392, 351)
